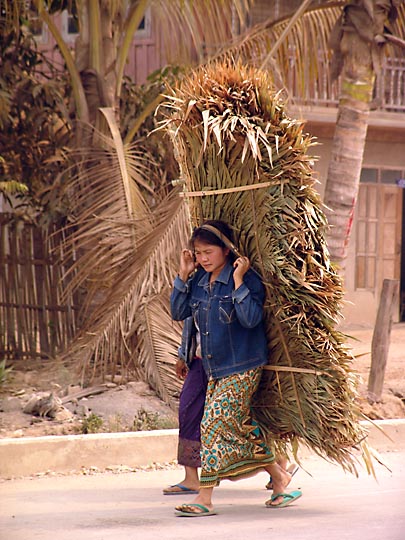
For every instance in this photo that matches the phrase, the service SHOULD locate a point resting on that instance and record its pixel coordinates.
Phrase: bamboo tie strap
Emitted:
(228, 190)
(294, 369)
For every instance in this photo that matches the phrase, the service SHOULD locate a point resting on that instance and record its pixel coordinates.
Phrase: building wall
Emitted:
(275, 9)
(146, 54)
(360, 307)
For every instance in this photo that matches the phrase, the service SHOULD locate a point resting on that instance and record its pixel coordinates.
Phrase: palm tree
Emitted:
(124, 234)
(358, 41)
(359, 32)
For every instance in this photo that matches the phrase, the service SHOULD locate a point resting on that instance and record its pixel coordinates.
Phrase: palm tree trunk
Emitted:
(357, 41)
(346, 161)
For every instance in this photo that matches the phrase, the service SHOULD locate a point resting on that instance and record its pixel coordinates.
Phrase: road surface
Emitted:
(335, 506)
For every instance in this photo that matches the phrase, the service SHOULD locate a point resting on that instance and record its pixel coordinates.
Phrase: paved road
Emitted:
(335, 506)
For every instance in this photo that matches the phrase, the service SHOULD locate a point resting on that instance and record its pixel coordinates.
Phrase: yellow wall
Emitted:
(360, 306)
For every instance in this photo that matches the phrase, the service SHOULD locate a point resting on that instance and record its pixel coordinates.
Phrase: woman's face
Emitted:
(211, 258)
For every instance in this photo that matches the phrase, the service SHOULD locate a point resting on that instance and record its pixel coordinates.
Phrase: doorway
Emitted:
(379, 237)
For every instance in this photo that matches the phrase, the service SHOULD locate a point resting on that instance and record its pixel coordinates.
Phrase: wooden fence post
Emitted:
(381, 339)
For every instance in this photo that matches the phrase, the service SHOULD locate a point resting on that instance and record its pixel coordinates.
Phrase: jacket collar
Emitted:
(223, 277)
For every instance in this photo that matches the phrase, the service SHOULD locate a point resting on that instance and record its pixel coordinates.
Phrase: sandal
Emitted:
(193, 510)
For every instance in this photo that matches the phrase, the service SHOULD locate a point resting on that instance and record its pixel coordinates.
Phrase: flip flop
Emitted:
(288, 498)
(186, 513)
(292, 469)
(183, 490)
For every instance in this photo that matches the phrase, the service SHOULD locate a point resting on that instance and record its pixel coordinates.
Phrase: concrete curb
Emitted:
(63, 454)
(32, 455)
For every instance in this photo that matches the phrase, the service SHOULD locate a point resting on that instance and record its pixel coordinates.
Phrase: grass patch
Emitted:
(92, 424)
(4, 372)
(147, 421)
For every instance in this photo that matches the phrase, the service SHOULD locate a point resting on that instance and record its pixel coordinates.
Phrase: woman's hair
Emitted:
(206, 236)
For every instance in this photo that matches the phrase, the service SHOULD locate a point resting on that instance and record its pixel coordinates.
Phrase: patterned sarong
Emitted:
(231, 447)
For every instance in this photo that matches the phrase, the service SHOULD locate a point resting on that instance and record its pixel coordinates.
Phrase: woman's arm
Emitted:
(179, 300)
(248, 295)
(179, 304)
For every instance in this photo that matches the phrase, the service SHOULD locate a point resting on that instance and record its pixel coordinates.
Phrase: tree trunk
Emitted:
(345, 167)
(96, 58)
(346, 160)
(358, 44)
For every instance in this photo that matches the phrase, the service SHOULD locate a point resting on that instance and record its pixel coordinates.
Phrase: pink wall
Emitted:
(145, 55)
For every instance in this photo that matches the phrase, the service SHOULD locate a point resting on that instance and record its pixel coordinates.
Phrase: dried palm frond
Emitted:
(307, 38)
(245, 161)
(183, 33)
(159, 339)
(124, 254)
(302, 57)
(106, 187)
(109, 339)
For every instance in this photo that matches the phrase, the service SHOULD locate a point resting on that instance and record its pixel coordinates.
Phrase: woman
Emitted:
(189, 368)
(191, 407)
(225, 298)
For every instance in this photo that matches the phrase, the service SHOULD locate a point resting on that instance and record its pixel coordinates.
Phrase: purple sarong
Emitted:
(191, 408)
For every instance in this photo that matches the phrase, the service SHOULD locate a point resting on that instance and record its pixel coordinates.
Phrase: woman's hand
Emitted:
(181, 369)
(241, 265)
(187, 264)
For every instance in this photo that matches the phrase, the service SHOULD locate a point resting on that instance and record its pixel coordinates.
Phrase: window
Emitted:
(36, 26)
(70, 26)
(144, 28)
(391, 177)
(369, 176)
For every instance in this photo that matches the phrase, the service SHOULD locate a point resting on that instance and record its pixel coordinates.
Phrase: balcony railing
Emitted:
(389, 91)
(390, 85)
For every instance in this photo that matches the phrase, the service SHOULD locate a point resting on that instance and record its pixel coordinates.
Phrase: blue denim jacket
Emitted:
(230, 323)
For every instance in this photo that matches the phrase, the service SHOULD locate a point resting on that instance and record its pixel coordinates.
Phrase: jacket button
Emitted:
(209, 355)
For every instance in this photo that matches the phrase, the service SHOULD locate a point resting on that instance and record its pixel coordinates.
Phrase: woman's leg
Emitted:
(282, 461)
(191, 408)
(191, 477)
(291, 469)
(280, 479)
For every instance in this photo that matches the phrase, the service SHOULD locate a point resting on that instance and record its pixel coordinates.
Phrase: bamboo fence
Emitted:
(34, 322)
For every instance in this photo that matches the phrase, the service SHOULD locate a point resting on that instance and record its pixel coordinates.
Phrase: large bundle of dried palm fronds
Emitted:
(245, 161)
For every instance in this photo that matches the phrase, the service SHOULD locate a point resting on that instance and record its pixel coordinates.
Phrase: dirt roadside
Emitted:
(392, 404)
(116, 407)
